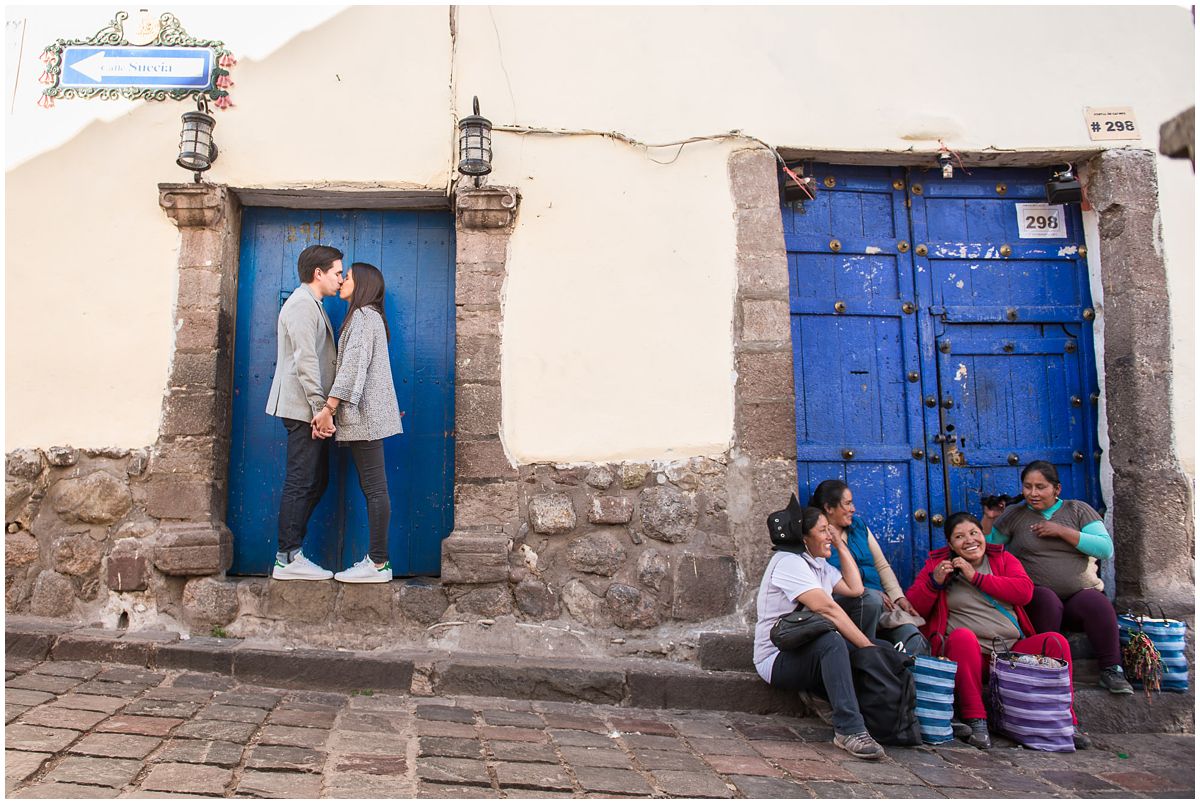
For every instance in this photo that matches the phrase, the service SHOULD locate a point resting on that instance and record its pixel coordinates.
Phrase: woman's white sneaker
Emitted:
(365, 571)
(300, 569)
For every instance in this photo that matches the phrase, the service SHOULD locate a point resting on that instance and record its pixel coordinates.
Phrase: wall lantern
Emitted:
(1064, 188)
(197, 150)
(475, 146)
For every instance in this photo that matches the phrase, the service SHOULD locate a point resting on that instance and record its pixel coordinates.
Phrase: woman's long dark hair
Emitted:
(828, 494)
(368, 292)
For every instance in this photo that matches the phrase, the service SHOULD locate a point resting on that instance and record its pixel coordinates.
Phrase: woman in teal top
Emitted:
(1058, 542)
(883, 590)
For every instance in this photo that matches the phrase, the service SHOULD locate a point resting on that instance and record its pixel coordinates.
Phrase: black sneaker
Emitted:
(961, 730)
(1082, 741)
(979, 734)
(1113, 679)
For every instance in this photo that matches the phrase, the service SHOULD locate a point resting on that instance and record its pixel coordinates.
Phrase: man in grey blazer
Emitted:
(304, 370)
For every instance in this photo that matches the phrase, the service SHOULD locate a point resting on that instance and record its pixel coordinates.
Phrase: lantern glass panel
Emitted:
(196, 142)
(475, 146)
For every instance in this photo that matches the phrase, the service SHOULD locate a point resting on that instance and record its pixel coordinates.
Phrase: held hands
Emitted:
(322, 424)
(1050, 530)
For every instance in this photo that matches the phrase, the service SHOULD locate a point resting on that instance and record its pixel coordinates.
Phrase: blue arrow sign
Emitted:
(140, 67)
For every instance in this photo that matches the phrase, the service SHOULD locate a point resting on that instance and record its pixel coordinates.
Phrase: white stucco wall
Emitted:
(619, 298)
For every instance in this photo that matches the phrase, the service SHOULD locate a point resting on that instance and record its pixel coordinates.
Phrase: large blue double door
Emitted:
(415, 252)
(941, 341)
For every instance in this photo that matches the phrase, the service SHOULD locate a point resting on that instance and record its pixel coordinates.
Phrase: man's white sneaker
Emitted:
(301, 569)
(365, 571)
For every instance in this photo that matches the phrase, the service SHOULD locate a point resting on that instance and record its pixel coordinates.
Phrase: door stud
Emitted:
(917, 189)
(944, 346)
(1006, 250)
(830, 182)
(1089, 314)
(922, 250)
(908, 308)
(1013, 459)
(902, 246)
(938, 519)
(919, 454)
(848, 454)
(1077, 455)
(839, 306)
(920, 514)
(1076, 402)
(1001, 188)
(913, 376)
(835, 245)
(898, 184)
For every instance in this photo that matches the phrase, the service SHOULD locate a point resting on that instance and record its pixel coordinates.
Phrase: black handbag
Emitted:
(797, 628)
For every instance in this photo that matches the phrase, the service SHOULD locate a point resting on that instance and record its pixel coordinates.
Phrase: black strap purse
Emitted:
(797, 628)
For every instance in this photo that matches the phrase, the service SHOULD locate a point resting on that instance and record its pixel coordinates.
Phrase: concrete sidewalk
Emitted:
(86, 729)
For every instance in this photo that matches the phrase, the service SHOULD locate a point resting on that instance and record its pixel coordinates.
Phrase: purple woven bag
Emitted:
(1031, 700)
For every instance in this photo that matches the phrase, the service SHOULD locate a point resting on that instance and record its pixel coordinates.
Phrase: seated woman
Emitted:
(799, 574)
(883, 591)
(972, 596)
(1059, 541)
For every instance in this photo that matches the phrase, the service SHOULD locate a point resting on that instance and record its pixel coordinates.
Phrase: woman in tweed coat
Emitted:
(363, 399)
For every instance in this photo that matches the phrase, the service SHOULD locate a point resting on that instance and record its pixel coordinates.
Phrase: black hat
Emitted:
(785, 527)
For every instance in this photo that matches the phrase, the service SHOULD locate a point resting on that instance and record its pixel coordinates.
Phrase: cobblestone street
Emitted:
(87, 730)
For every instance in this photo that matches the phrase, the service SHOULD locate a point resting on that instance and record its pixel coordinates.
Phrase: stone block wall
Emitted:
(77, 529)
(629, 546)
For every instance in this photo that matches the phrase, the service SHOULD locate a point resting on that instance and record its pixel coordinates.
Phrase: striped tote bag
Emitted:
(1031, 701)
(1169, 638)
(935, 697)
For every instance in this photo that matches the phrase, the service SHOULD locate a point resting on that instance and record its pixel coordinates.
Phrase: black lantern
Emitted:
(475, 146)
(197, 151)
(1064, 187)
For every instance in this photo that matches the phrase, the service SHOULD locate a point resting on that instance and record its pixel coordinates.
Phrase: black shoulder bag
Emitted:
(797, 628)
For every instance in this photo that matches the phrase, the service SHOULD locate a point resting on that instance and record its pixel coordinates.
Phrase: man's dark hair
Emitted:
(315, 257)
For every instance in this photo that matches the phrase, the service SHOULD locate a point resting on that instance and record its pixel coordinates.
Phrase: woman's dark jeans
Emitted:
(372, 478)
(864, 611)
(823, 667)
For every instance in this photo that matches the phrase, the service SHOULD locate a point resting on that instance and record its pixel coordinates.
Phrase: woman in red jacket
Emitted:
(972, 595)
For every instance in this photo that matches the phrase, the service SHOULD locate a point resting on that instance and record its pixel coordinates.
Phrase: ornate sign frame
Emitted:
(170, 34)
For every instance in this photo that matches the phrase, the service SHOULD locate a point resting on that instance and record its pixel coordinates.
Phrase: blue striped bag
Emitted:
(1169, 638)
(1031, 701)
(935, 697)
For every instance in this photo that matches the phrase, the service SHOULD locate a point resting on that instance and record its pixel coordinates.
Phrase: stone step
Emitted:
(642, 683)
(1099, 710)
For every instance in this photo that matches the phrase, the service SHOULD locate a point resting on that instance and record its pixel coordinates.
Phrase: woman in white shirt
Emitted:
(798, 574)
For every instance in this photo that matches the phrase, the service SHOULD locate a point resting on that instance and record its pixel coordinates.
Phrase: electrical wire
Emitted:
(956, 156)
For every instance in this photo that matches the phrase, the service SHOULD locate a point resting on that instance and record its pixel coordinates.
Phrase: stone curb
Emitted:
(641, 683)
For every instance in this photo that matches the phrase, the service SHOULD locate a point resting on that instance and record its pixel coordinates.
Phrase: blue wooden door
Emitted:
(856, 356)
(415, 252)
(1010, 323)
(936, 351)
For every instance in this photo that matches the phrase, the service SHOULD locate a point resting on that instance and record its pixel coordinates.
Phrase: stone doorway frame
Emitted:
(187, 478)
(1155, 544)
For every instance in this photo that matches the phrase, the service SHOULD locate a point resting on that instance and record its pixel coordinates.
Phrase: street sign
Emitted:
(137, 67)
